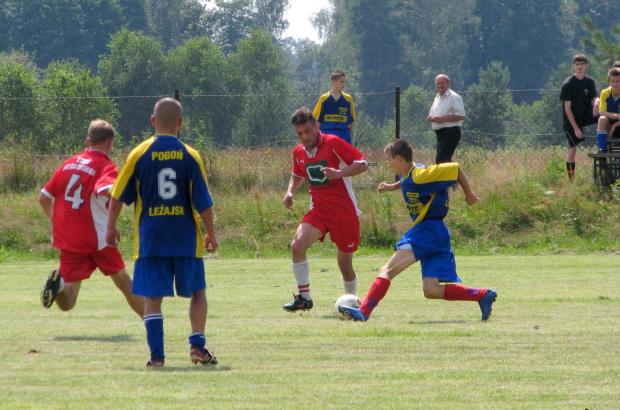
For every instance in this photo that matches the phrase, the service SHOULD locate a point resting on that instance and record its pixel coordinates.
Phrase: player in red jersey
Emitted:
(75, 200)
(326, 162)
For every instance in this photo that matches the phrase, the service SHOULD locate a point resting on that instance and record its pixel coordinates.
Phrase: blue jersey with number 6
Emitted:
(167, 182)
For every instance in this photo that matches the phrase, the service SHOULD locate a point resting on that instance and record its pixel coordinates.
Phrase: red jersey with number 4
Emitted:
(333, 152)
(80, 206)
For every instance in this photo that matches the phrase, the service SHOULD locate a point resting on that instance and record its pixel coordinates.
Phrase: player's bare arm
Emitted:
(113, 235)
(211, 243)
(470, 196)
(47, 204)
(293, 185)
(384, 186)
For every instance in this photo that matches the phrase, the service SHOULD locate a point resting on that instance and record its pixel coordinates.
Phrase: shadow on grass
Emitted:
(111, 339)
(183, 369)
(437, 322)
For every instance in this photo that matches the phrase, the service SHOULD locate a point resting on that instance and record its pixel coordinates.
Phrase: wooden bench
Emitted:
(606, 168)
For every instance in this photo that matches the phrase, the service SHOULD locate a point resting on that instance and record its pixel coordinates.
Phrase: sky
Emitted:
(299, 15)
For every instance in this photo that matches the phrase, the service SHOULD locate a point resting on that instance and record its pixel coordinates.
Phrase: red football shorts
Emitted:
(75, 266)
(344, 229)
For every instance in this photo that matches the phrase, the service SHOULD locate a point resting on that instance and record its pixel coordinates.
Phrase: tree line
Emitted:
(109, 51)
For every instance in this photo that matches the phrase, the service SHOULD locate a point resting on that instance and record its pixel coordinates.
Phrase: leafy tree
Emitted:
(260, 66)
(606, 51)
(135, 67)
(72, 98)
(527, 36)
(415, 104)
(488, 105)
(62, 29)
(234, 20)
(18, 78)
(198, 69)
(172, 22)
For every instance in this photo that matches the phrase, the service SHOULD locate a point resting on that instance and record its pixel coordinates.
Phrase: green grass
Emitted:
(552, 341)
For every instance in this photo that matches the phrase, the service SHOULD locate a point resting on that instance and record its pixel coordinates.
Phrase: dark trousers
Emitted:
(447, 140)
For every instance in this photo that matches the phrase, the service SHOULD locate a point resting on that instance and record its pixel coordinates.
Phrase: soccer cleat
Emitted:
(51, 289)
(486, 303)
(299, 303)
(352, 313)
(202, 355)
(159, 362)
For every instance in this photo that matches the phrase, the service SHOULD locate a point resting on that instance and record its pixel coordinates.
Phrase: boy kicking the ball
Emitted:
(75, 201)
(425, 193)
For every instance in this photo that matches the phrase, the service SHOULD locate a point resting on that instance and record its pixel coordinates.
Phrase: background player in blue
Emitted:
(335, 110)
(425, 193)
(166, 181)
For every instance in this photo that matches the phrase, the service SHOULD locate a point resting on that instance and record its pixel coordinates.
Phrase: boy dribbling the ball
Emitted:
(425, 193)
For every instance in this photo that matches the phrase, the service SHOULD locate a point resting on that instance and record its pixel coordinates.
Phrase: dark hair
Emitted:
(616, 64)
(613, 72)
(302, 116)
(399, 147)
(337, 75)
(100, 131)
(580, 58)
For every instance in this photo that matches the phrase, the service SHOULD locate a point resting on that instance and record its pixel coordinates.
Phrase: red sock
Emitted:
(460, 292)
(377, 291)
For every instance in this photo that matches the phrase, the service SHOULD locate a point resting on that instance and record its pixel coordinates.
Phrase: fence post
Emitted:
(397, 114)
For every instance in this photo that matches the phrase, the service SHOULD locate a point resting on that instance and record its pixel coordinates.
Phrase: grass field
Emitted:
(552, 341)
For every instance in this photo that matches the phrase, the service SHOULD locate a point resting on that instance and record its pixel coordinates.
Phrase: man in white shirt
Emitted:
(446, 116)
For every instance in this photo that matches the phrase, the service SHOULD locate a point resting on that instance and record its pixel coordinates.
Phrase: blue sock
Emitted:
(197, 339)
(601, 140)
(154, 324)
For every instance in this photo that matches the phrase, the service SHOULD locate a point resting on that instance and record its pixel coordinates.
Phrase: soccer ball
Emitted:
(347, 300)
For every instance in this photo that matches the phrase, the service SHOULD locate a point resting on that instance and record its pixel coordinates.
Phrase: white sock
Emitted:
(350, 287)
(302, 276)
(62, 285)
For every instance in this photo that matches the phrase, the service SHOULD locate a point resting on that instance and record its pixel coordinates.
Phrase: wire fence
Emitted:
(519, 123)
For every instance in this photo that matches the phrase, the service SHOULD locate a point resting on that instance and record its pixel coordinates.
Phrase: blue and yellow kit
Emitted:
(168, 203)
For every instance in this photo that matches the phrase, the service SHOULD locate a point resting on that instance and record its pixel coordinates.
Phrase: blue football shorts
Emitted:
(430, 243)
(154, 277)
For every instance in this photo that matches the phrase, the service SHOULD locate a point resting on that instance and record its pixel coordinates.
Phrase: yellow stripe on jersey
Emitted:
(441, 172)
(123, 177)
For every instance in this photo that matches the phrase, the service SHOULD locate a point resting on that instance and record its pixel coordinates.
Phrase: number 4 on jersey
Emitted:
(73, 193)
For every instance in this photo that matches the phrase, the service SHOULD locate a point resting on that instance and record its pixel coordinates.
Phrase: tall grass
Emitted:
(527, 204)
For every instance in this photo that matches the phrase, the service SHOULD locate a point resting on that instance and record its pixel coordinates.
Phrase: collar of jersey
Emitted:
(165, 135)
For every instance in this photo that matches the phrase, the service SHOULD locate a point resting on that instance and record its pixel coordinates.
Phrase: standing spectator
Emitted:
(609, 109)
(424, 190)
(323, 160)
(446, 116)
(166, 181)
(75, 201)
(579, 103)
(335, 111)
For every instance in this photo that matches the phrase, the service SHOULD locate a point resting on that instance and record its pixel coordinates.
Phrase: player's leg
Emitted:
(67, 298)
(572, 141)
(123, 282)
(154, 324)
(345, 233)
(400, 260)
(349, 277)
(153, 280)
(189, 276)
(601, 133)
(110, 262)
(63, 285)
(305, 236)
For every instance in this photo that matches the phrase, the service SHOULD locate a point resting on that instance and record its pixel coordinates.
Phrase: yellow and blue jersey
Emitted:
(167, 182)
(425, 192)
(609, 102)
(334, 114)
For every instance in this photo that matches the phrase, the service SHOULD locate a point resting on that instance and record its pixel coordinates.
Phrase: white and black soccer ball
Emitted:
(347, 300)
